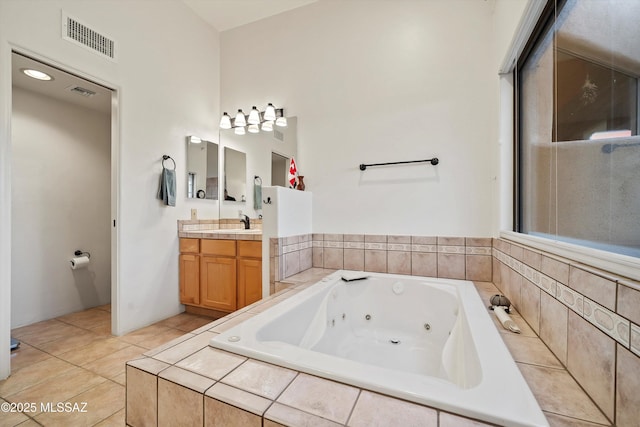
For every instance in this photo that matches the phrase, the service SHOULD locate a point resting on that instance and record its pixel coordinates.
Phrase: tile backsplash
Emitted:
(445, 257)
(589, 318)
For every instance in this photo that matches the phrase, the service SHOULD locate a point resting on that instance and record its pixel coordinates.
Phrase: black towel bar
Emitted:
(433, 161)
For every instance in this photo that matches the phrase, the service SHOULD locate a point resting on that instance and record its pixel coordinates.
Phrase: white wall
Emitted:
(379, 81)
(167, 75)
(60, 203)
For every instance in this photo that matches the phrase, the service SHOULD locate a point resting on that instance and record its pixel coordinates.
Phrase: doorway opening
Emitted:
(64, 198)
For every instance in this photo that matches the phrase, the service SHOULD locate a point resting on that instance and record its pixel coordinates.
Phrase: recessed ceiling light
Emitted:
(36, 74)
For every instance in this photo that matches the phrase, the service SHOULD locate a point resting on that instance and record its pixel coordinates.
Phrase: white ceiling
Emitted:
(59, 86)
(226, 14)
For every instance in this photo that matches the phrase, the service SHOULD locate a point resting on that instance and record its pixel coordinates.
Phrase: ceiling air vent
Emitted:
(278, 135)
(81, 91)
(82, 35)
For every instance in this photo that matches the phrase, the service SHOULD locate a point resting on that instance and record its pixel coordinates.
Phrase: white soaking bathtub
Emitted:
(426, 340)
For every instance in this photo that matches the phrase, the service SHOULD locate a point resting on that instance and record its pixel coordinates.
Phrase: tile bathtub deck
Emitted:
(250, 392)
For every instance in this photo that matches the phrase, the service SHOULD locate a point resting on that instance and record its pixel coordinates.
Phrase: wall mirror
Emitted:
(202, 169)
(265, 155)
(235, 176)
(279, 169)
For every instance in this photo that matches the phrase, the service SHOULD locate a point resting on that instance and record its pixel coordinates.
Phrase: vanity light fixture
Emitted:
(35, 74)
(270, 112)
(281, 121)
(256, 120)
(194, 140)
(225, 121)
(240, 119)
(254, 116)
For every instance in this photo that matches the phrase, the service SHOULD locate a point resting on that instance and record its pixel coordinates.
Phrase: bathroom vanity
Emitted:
(220, 274)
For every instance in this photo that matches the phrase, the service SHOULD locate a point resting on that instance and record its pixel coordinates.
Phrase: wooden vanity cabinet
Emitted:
(222, 275)
(249, 264)
(189, 271)
(218, 274)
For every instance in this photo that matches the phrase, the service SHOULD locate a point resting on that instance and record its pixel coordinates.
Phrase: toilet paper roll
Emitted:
(79, 262)
(506, 320)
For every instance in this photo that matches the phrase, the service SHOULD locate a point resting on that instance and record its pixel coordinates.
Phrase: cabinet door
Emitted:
(218, 283)
(249, 281)
(189, 279)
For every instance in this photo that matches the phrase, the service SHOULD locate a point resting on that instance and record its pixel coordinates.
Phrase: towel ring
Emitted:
(257, 180)
(165, 157)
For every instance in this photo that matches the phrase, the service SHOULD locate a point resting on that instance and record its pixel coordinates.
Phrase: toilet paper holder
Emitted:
(80, 253)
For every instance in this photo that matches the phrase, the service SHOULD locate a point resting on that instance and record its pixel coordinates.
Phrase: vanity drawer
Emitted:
(249, 249)
(218, 247)
(191, 246)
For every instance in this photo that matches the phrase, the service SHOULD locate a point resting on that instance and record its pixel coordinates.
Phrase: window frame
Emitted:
(546, 20)
(536, 17)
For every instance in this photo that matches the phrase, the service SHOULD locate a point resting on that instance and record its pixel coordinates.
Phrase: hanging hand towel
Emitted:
(167, 191)
(257, 193)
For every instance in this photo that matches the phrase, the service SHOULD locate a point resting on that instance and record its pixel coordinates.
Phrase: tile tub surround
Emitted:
(288, 256)
(230, 389)
(587, 317)
(464, 258)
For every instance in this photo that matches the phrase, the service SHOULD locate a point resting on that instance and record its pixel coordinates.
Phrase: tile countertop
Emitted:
(225, 234)
(228, 381)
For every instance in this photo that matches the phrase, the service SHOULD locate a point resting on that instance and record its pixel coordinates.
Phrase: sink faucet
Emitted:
(245, 220)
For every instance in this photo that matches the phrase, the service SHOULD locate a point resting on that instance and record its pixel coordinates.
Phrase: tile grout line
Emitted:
(353, 408)
(578, 419)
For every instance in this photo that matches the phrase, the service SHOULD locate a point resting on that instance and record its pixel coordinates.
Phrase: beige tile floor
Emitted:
(74, 358)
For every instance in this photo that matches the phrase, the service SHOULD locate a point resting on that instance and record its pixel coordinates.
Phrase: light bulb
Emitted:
(267, 126)
(194, 140)
(282, 122)
(240, 120)
(254, 116)
(253, 129)
(35, 74)
(239, 130)
(225, 121)
(270, 112)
